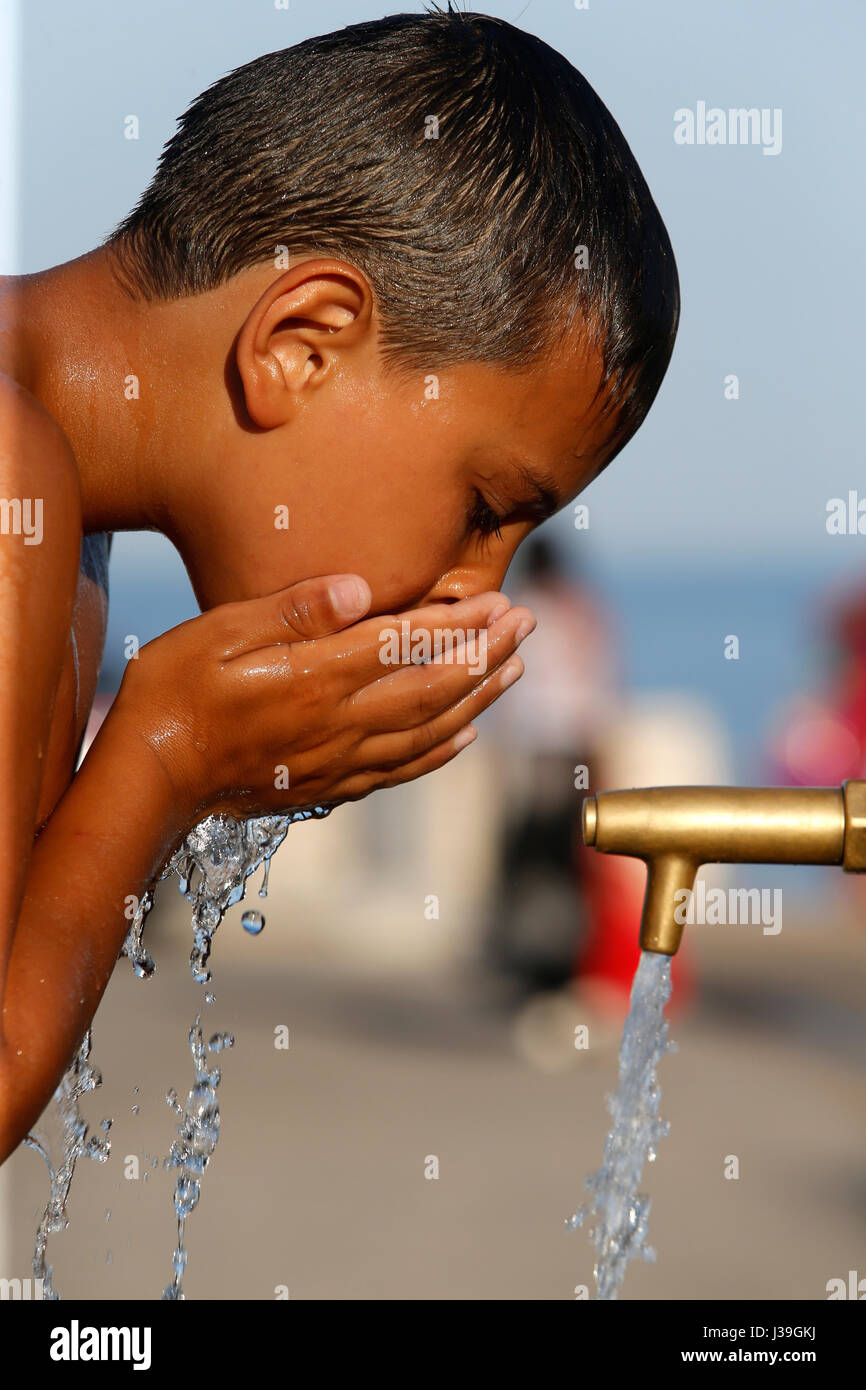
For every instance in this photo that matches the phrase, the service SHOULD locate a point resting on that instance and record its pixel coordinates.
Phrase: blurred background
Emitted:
(432, 950)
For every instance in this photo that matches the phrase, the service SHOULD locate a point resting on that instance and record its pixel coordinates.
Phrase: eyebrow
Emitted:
(546, 500)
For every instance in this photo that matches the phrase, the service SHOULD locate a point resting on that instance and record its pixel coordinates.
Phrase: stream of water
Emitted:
(60, 1136)
(212, 866)
(621, 1210)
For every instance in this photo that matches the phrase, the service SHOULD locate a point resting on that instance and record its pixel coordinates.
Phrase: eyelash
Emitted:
(483, 519)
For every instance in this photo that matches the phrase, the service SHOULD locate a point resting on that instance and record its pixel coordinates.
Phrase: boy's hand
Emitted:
(271, 704)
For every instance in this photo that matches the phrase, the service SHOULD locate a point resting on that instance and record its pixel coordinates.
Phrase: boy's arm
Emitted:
(38, 579)
(59, 943)
(109, 836)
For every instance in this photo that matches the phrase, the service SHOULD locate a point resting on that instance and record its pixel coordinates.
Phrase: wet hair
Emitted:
(454, 159)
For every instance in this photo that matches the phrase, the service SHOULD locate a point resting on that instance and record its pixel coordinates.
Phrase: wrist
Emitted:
(141, 782)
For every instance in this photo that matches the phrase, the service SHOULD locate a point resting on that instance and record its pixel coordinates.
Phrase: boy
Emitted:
(393, 297)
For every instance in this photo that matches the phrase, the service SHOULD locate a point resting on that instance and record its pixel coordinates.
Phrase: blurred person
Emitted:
(821, 739)
(550, 730)
(656, 738)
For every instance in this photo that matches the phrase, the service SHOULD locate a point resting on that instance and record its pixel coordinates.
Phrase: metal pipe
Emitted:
(675, 830)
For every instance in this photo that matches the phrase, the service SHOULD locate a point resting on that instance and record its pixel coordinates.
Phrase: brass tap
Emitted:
(675, 830)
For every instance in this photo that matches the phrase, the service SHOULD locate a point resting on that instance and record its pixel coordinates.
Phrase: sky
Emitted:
(769, 246)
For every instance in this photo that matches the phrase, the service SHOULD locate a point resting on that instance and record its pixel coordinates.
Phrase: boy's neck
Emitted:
(113, 374)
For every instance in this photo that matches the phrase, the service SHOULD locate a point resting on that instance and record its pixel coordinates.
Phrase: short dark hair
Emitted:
(468, 240)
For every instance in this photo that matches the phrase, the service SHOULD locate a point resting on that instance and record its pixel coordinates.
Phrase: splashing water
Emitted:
(221, 853)
(60, 1136)
(619, 1234)
(191, 1151)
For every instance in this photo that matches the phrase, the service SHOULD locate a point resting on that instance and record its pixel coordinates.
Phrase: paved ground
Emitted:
(318, 1181)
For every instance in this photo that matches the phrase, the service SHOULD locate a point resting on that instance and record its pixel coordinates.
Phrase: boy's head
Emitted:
(426, 265)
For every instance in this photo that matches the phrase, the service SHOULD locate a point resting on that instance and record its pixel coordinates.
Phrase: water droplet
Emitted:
(263, 891)
(210, 998)
(186, 1195)
(135, 1110)
(253, 922)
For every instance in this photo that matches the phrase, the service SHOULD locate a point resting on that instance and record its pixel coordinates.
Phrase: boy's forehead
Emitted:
(558, 414)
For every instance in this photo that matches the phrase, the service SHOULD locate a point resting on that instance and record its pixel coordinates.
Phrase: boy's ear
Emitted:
(295, 333)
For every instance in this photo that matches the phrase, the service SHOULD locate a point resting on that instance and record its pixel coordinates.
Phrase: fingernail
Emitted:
(524, 628)
(511, 670)
(465, 737)
(348, 597)
(498, 612)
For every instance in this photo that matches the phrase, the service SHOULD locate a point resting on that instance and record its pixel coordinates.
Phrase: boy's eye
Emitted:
(483, 519)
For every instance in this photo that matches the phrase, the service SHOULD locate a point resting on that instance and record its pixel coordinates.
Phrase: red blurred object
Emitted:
(822, 739)
(851, 632)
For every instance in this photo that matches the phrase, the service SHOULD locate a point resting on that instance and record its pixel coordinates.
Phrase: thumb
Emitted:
(317, 607)
(311, 608)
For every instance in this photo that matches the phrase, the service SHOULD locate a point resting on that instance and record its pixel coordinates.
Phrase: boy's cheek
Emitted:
(402, 549)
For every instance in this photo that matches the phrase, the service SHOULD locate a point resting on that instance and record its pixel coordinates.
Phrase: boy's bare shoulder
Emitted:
(33, 445)
(40, 545)
(38, 478)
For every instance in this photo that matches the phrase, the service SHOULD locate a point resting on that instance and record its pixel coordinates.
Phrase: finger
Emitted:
(402, 746)
(362, 654)
(375, 779)
(312, 608)
(398, 640)
(414, 695)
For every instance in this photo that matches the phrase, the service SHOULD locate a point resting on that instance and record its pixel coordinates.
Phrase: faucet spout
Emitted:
(662, 923)
(675, 830)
